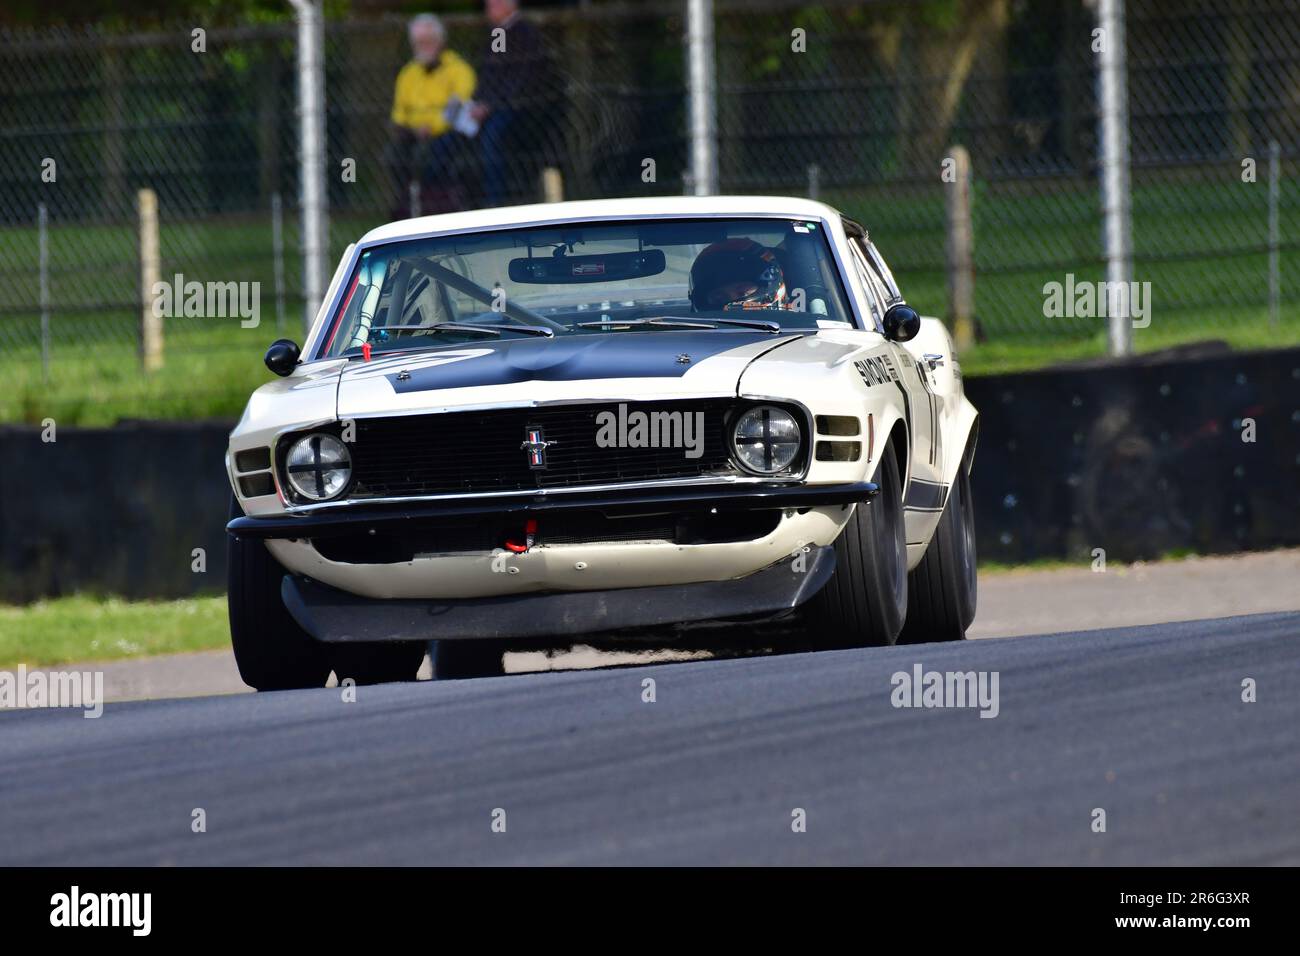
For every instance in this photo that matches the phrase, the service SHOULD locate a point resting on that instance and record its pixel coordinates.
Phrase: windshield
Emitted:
(736, 275)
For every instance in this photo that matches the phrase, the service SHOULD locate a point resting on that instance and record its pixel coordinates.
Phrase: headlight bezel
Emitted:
(288, 444)
(797, 464)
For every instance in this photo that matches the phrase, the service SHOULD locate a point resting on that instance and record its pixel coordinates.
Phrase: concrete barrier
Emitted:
(117, 510)
(1139, 459)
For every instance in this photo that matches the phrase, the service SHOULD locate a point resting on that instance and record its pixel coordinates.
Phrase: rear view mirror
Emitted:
(609, 267)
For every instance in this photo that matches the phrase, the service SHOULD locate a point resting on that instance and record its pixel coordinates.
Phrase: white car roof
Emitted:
(650, 206)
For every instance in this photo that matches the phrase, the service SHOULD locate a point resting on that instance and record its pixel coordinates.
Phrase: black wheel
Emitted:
(377, 663)
(460, 660)
(271, 650)
(865, 600)
(941, 589)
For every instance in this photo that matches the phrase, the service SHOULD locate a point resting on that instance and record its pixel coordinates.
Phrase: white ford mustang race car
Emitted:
(520, 427)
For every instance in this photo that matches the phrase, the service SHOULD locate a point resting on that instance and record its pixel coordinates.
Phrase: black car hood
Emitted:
(599, 365)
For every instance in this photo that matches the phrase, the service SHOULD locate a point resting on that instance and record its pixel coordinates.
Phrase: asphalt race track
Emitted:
(1147, 723)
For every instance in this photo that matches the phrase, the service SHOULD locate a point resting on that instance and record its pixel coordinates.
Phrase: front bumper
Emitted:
(334, 616)
(344, 519)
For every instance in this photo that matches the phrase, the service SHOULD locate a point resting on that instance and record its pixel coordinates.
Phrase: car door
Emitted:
(925, 493)
(918, 385)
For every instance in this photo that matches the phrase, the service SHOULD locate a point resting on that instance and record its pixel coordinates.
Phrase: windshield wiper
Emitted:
(621, 323)
(761, 325)
(466, 327)
(672, 322)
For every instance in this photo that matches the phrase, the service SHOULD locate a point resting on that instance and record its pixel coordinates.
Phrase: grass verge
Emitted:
(1201, 245)
(70, 629)
(211, 371)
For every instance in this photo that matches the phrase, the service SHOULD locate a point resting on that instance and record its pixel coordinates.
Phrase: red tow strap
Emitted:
(530, 535)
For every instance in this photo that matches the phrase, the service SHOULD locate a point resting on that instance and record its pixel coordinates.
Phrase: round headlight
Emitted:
(318, 466)
(766, 439)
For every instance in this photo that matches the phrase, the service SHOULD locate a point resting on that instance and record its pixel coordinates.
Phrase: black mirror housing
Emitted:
(282, 356)
(902, 322)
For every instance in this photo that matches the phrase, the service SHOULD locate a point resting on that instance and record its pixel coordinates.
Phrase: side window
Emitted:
(870, 282)
(885, 283)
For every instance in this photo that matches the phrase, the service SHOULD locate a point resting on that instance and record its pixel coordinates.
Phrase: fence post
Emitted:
(1274, 279)
(277, 257)
(960, 249)
(151, 324)
(42, 225)
(552, 185)
(311, 155)
(1115, 199)
(703, 104)
(814, 180)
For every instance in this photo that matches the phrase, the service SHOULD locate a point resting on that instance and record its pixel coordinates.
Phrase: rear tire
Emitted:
(462, 660)
(271, 650)
(942, 588)
(864, 602)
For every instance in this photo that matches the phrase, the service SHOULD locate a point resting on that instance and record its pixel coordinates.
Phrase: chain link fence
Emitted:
(856, 103)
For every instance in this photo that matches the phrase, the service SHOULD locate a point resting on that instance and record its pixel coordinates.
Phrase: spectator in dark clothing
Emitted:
(515, 89)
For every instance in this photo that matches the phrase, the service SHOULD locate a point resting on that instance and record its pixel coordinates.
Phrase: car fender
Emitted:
(302, 400)
(844, 373)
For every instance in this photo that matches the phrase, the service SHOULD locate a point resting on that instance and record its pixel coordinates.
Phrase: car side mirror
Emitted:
(901, 323)
(282, 356)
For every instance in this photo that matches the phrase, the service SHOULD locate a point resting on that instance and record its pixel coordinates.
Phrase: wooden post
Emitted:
(552, 185)
(151, 325)
(960, 250)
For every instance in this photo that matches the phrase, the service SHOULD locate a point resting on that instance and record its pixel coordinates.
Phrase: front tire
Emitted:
(864, 602)
(942, 588)
(271, 650)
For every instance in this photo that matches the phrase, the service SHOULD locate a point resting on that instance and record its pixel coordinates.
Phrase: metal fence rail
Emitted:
(856, 102)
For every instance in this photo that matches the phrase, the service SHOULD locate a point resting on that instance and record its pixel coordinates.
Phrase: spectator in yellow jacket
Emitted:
(422, 144)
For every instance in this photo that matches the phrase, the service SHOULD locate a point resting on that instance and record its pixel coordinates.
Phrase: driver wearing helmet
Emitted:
(737, 274)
